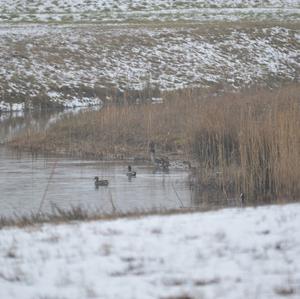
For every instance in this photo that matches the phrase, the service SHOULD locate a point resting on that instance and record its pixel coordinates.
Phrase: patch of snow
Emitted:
(231, 253)
(82, 102)
(5, 107)
(157, 100)
(125, 10)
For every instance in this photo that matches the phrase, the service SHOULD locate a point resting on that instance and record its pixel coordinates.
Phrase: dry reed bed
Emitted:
(246, 141)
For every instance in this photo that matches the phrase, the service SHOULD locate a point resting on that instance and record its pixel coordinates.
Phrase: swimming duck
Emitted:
(130, 172)
(100, 182)
(161, 162)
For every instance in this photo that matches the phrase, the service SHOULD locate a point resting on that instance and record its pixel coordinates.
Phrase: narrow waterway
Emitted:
(29, 184)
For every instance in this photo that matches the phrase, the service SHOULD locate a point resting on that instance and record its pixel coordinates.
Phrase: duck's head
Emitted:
(96, 178)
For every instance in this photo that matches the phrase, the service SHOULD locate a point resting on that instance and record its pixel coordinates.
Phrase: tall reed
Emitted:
(253, 141)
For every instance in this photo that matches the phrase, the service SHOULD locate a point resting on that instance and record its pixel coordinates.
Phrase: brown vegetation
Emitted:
(246, 141)
(78, 213)
(252, 141)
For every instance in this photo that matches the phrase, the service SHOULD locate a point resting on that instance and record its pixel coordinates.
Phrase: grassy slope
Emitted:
(54, 63)
(88, 60)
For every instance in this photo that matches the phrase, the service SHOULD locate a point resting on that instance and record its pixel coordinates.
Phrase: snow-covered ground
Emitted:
(80, 52)
(135, 10)
(66, 64)
(232, 253)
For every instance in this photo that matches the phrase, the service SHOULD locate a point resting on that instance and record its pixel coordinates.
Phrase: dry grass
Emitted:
(252, 141)
(246, 141)
(77, 213)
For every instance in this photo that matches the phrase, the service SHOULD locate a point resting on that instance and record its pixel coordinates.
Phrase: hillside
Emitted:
(89, 11)
(141, 48)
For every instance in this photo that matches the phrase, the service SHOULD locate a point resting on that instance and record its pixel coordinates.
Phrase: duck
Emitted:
(242, 198)
(130, 172)
(100, 182)
(159, 162)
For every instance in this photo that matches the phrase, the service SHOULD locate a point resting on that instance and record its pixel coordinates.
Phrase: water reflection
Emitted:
(13, 123)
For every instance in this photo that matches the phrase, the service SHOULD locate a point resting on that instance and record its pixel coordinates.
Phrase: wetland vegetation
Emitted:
(210, 87)
(213, 84)
(238, 142)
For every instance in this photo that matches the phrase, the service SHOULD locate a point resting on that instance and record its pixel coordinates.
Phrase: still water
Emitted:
(29, 183)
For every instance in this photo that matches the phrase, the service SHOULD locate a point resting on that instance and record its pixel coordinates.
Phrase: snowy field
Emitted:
(80, 52)
(232, 253)
(87, 11)
(82, 65)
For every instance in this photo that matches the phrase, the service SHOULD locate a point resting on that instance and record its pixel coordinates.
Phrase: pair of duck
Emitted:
(99, 182)
(130, 173)
(159, 162)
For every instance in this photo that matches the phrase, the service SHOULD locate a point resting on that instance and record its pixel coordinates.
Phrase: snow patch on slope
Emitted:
(160, 10)
(63, 63)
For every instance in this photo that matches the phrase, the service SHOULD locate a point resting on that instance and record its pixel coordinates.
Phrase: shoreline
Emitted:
(78, 214)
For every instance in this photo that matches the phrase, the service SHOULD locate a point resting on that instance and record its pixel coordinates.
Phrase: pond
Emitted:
(31, 184)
